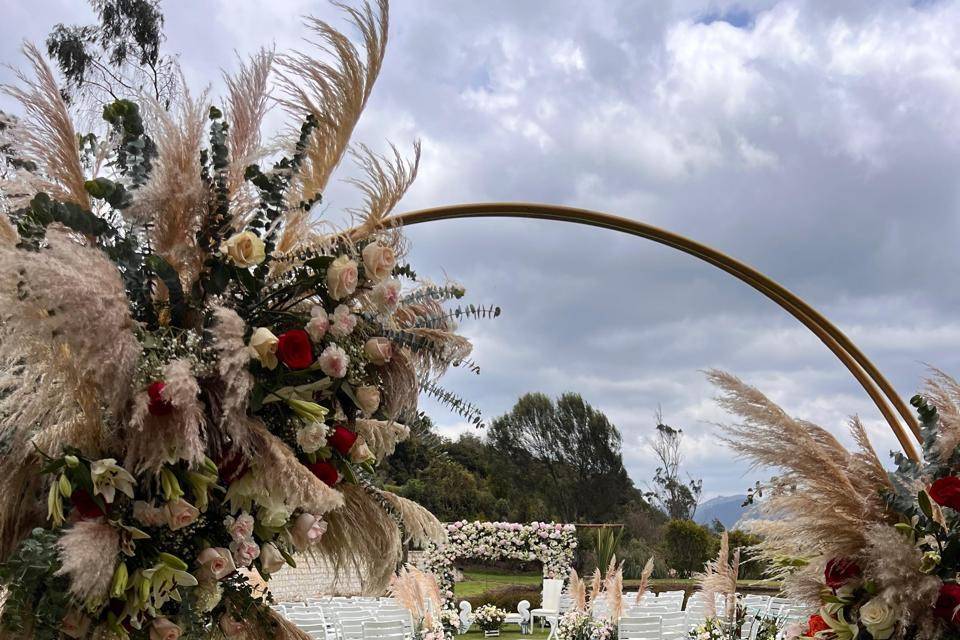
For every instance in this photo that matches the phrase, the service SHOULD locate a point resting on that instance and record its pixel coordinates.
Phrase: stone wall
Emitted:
(314, 578)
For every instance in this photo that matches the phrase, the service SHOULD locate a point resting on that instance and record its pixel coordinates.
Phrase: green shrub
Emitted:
(687, 546)
(636, 552)
(750, 567)
(507, 597)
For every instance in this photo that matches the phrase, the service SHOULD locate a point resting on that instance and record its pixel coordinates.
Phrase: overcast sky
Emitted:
(816, 141)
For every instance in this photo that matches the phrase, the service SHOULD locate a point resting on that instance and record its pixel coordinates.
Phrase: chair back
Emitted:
(383, 630)
(550, 597)
(673, 626)
(352, 629)
(643, 628)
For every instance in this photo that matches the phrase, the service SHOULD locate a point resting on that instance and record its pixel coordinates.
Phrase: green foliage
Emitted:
(678, 498)
(35, 596)
(751, 568)
(135, 149)
(452, 401)
(606, 545)
(449, 490)
(687, 546)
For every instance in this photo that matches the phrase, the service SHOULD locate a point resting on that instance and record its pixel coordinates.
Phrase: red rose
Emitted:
(294, 349)
(839, 572)
(342, 439)
(84, 504)
(326, 471)
(158, 405)
(815, 625)
(948, 603)
(946, 492)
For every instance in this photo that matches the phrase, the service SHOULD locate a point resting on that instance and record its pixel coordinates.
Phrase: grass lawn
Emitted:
(509, 632)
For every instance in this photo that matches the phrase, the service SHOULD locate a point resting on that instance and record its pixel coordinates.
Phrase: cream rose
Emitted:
(263, 347)
(386, 295)
(271, 560)
(230, 626)
(334, 361)
(244, 249)
(180, 514)
(215, 563)
(378, 261)
(879, 619)
(312, 437)
(360, 452)
(341, 278)
(307, 530)
(369, 398)
(379, 351)
(318, 325)
(344, 322)
(164, 629)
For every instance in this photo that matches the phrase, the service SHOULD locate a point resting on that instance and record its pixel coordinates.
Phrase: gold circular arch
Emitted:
(894, 410)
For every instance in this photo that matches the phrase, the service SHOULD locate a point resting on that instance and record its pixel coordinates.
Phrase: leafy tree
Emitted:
(119, 57)
(567, 451)
(751, 568)
(687, 546)
(414, 454)
(448, 490)
(677, 498)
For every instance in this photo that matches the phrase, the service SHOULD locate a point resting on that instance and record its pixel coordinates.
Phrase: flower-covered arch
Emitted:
(549, 543)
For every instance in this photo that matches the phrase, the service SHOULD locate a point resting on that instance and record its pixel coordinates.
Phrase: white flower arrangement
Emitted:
(489, 617)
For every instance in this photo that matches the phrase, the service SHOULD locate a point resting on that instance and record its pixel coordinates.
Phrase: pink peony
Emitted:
(334, 361)
(318, 325)
(245, 552)
(241, 527)
(344, 322)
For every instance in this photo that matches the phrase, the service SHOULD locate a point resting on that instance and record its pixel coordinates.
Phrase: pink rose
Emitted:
(230, 626)
(378, 261)
(149, 515)
(318, 325)
(245, 552)
(386, 295)
(368, 398)
(216, 563)
(344, 322)
(181, 513)
(334, 361)
(241, 527)
(379, 351)
(307, 530)
(341, 278)
(164, 629)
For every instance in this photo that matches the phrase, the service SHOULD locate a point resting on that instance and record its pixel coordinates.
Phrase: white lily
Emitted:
(109, 477)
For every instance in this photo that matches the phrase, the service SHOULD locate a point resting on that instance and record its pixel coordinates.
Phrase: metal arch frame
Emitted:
(873, 382)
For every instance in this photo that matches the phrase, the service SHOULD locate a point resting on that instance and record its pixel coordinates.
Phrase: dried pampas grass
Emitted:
(720, 578)
(943, 391)
(88, 554)
(644, 580)
(335, 92)
(420, 525)
(385, 182)
(45, 136)
(363, 538)
(228, 332)
(578, 591)
(828, 497)
(382, 436)
(613, 587)
(417, 592)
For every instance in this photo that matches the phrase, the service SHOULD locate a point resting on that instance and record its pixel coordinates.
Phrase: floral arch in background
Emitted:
(549, 543)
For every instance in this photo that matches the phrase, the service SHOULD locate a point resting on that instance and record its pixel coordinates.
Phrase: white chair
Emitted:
(401, 616)
(673, 626)
(352, 629)
(777, 605)
(466, 615)
(523, 608)
(645, 628)
(549, 604)
(387, 630)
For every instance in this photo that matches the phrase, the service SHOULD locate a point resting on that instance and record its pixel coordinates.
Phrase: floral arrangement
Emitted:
(196, 380)
(578, 625)
(549, 543)
(877, 553)
(489, 617)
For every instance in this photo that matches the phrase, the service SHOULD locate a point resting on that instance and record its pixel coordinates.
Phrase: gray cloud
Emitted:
(816, 141)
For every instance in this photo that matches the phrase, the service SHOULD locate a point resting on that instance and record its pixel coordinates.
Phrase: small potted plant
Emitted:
(490, 618)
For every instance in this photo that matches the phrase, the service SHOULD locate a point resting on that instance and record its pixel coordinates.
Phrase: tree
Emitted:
(448, 490)
(119, 57)
(414, 454)
(687, 546)
(676, 497)
(568, 452)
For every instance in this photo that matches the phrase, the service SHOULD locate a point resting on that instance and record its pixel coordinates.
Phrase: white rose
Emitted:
(245, 552)
(341, 278)
(244, 249)
(312, 437)
(379, 351)
(344, 322)
(271, 559)
(215, 563)
(368, 397)
(879, 619)
(386, 295)
(334, 361)
(263, 347)
(164, 629)
(378, 261)
(307, 530)
(180, 514)
(318, 325)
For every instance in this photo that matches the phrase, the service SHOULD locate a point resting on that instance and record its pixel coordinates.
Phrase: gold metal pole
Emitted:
(874, 383)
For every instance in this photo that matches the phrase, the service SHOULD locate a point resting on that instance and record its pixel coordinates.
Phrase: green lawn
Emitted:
(509, 632)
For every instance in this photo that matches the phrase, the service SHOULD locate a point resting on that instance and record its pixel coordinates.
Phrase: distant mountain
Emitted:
(726, 509)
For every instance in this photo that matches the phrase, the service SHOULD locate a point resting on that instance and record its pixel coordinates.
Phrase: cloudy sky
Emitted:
(816, 141)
